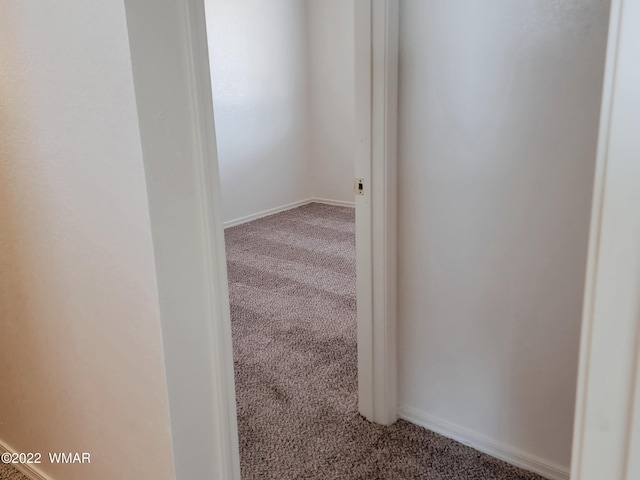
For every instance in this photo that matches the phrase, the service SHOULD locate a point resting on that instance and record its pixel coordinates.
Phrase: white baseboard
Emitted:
(484, 444)
(28, 470)
(337, 203)
(265, 213)
(289, 206)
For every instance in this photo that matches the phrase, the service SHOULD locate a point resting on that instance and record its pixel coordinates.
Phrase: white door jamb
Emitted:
(606, 440)
(170, 65)
(376, 83)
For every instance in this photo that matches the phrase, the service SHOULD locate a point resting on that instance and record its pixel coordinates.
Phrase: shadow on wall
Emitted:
(22, 351)
(80, 346)
(258, 61)
(499, 112)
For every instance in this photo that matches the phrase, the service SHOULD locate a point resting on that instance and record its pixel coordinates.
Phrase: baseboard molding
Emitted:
(283, 208)
(265, 213)
(337, 203)
(28, 470)
(499, 450)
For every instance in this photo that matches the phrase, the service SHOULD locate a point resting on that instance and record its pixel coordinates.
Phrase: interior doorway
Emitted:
(298, 105)
(197, 172)
(291, 131)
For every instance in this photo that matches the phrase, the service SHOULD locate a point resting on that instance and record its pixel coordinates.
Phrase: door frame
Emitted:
(376, 106)
(170, 65)
(171, 75)
(606, 440)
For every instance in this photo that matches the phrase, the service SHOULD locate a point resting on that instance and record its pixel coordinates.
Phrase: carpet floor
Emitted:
(7, 472)
(293, 312)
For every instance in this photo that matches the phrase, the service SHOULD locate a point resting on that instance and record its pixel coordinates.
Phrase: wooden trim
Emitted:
(484, 444)
(605, 429)
(376, 73)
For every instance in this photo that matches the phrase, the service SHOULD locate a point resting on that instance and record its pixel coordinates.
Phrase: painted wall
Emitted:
(330, 32)
(81, 359)
(498, 123)
(258, 65)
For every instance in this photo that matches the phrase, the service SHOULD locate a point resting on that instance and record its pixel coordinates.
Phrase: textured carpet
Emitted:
(293, 310)
(7, 472)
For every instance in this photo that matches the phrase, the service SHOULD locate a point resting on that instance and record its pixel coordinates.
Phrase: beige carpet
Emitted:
(7, 472)
(293, 309)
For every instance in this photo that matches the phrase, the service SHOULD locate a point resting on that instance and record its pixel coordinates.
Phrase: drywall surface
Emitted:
(498, 121)
(81, 359)
(330, 25)
(258, 65)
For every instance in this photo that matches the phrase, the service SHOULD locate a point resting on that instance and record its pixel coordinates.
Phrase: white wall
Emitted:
(330, 32)
(282, 78)
(498, 121)
(81, 359)
(259, 79)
